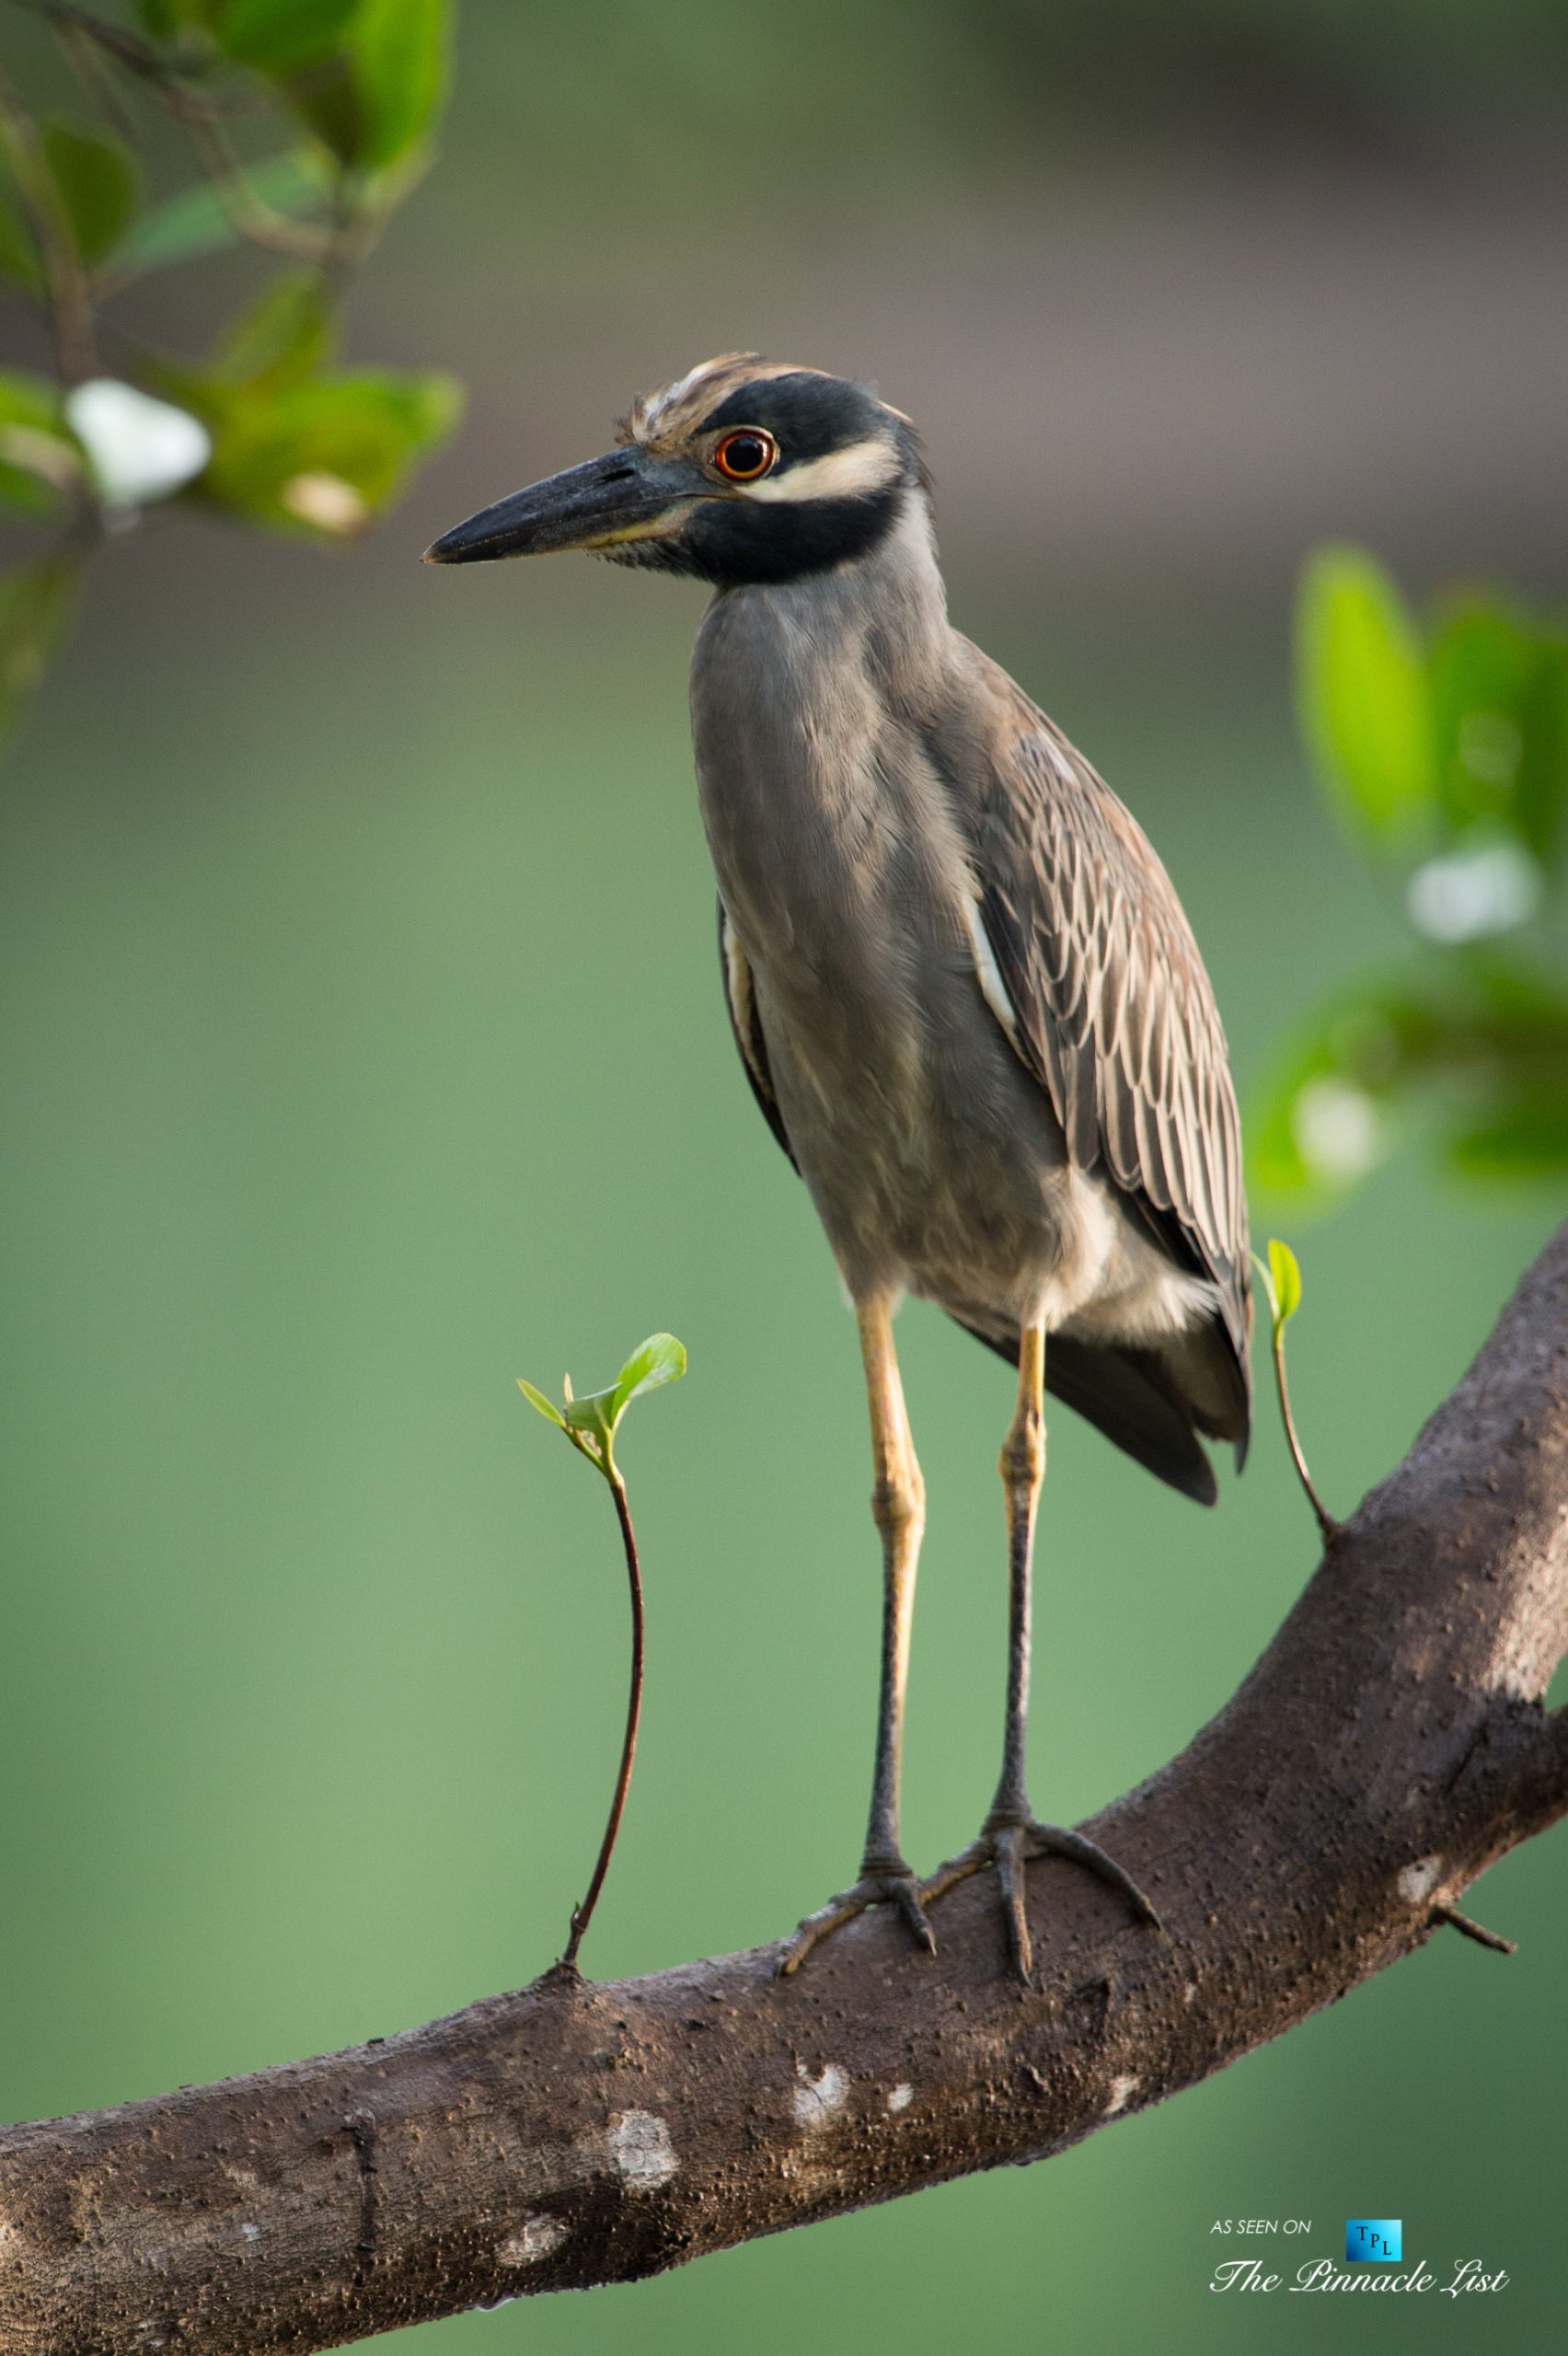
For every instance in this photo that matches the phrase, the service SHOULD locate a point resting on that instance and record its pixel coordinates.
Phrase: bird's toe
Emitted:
(1009, 1847)
(895, 1886)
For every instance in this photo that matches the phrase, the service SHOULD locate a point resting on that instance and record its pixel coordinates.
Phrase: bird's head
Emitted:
(742, 471)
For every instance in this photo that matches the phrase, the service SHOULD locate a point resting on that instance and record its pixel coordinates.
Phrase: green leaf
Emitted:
(326, 100)
(27, 399)
(19, 255)
(38, 456)
(281, 338)
(1500, 707)
(592, 1416)
(660, 1359)
(197, 221)
(592, 1421)
(1285, 1277)
(165, 19)
(1526, 1136)
(36, 604)
(1365, 709)
(1540, 795)
(322, 456)
(280, 36)
(400, 50)
(546, 1407)
(99, 183)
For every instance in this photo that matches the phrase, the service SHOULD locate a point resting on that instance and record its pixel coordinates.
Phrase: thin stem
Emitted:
(583, 1914)
(1474, 1930)
(1326, 1522)
(200, 116)
(139, 55)
(260, 225)
(69, 296)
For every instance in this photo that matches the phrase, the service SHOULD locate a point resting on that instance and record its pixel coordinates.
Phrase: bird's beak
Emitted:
(627, 495)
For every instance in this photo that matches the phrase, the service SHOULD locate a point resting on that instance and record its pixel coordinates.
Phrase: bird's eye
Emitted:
(747, 456)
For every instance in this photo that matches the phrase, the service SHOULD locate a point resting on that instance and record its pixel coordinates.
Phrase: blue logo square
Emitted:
(1375, 2240)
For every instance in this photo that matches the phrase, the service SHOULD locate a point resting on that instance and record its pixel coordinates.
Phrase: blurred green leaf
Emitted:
(1524, 1137)
(99, 183)
(1541, 796)
(279, 36)
(1365, 709)
(1479, 1032)
(325, 98)
(36, 603)
(38, 456)
(325, 456)
(19, 255)
(165, 19)
(656, 1361)
(400, 56)
(546, 1407)
(281, 338)
(1499, 682)
(1285, 1276)
(27, 399)
(197, 221)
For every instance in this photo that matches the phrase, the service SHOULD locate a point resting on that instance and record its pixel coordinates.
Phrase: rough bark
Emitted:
(1388, 1747)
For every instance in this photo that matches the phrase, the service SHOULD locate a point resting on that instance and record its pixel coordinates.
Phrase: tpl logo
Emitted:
(1375, 2239)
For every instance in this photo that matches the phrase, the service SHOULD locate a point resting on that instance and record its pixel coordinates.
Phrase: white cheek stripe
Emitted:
(842, 474)
(993, 987)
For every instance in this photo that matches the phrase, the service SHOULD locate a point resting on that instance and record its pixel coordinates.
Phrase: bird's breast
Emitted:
(847, 883)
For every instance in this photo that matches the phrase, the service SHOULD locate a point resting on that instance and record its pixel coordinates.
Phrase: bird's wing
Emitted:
(1089, 964)
(741, 998)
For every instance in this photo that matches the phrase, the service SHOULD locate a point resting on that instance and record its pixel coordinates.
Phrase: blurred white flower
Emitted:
(140, 448)
(1471, 892)
(1336, 1129)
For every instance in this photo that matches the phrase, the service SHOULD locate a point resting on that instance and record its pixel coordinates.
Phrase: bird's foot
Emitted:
(892, 1884)
(1009, 1845)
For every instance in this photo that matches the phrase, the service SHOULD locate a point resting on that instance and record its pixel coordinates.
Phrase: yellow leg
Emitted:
(898, 1507)
(1010, 1835)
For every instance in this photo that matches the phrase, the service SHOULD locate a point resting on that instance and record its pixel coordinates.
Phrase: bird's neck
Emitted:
(887, 610)
(809, 702)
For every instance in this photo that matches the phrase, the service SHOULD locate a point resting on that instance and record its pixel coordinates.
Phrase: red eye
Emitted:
(747, 456)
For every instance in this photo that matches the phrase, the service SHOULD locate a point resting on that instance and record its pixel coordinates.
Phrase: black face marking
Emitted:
(734, 541)
(807, 416)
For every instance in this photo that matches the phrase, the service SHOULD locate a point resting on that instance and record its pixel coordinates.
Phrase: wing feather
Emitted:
(745, 1022)
(1112, 1010)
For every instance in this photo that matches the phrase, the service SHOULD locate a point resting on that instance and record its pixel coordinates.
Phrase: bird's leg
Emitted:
(1011, 1835)
(898, 1507)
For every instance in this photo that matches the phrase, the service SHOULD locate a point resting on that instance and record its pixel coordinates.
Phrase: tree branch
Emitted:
(1388, 1746)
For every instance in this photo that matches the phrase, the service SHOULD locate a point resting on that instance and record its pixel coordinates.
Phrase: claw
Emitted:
(1009, 1847)
(1012, 1858)
(893, 1887)
(1054, 1841)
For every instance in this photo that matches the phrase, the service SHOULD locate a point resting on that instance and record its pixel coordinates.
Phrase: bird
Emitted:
(963, 988)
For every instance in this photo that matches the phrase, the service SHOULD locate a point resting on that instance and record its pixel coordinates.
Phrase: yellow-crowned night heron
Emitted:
(963, 990)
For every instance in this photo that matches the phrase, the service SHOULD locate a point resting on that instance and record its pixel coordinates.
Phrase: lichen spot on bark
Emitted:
(1418, 1881)
(536, 2238)
(820, 2099)
(642, 2150)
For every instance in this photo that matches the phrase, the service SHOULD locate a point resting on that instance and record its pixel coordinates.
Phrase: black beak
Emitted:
(627, 495)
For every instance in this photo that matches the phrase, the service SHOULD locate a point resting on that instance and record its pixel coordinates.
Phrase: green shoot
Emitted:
(1281, 1279)
(591, 1425)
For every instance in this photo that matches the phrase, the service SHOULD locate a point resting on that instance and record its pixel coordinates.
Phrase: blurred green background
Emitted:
(363, 1049)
